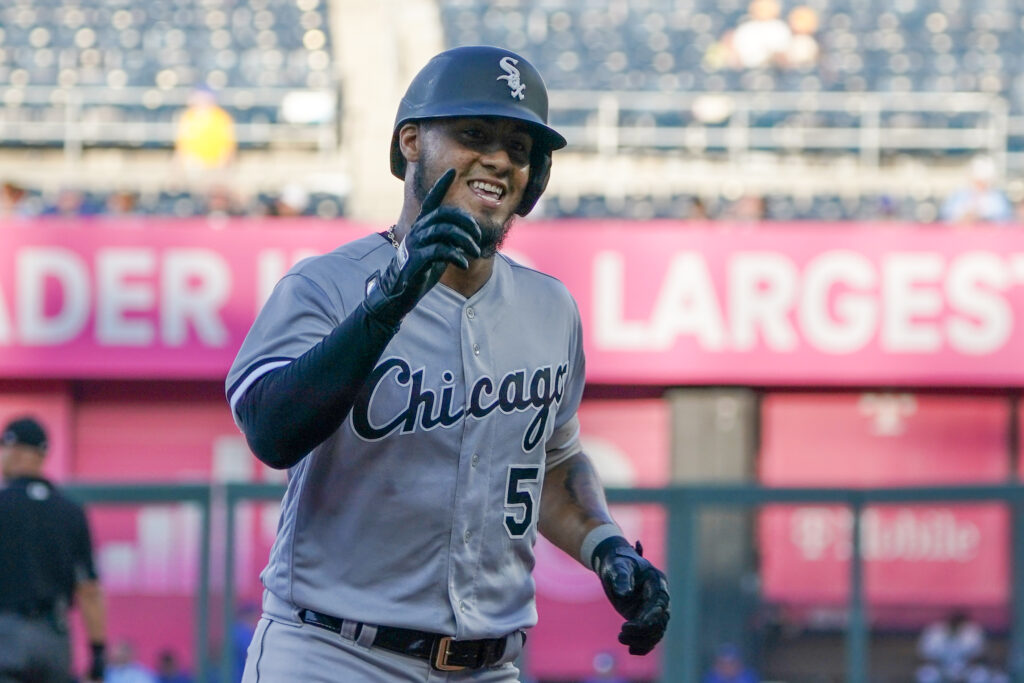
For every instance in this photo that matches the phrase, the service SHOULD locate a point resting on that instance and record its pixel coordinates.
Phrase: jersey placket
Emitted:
(474, 475)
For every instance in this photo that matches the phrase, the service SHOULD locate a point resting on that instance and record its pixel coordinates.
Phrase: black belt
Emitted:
(443, 652)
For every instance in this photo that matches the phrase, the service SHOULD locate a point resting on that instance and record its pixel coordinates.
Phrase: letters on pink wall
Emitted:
(662, 302)
(924, 554)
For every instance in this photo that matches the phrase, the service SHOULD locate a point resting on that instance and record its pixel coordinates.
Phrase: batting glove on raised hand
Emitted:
(440, 235)
(637, 590)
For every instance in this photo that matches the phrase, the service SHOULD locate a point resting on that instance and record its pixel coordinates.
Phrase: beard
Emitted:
(492, 232)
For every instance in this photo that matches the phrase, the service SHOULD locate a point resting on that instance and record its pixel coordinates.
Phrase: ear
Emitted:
(409, 141)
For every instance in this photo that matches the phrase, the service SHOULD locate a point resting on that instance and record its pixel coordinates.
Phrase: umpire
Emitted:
(45, 564)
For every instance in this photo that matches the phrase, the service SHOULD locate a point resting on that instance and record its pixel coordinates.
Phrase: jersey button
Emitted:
(470, 313)
(476, 349)
(466, 536)
(476, 459)
(462, 605)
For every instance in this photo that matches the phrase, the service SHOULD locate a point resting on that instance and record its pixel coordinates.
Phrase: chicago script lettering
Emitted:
(422, 409)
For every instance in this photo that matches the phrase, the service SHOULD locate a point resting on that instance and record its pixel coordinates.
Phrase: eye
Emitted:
(519, 150)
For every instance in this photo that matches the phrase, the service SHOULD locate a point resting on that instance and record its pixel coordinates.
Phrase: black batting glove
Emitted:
(637, 590)
(439, 236)
(99, 661)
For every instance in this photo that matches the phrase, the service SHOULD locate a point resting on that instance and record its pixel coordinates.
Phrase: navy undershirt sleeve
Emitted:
(291, 410)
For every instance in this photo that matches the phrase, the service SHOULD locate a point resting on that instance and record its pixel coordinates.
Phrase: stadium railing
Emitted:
(682, 503)
(870, 124)
(70, 118)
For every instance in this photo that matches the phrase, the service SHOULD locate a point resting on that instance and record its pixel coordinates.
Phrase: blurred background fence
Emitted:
(684, 505)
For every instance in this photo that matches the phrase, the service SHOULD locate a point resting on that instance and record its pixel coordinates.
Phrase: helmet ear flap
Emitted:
(540, 172)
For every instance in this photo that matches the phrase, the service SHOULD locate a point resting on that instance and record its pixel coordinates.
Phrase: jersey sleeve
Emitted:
(298, 314)
(565, 440)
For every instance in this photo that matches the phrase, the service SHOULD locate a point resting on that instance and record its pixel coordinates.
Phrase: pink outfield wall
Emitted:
(915, 555)
(663, 303)
(148, 556)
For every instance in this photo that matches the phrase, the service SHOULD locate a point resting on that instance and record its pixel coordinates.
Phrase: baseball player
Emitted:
(422, 389)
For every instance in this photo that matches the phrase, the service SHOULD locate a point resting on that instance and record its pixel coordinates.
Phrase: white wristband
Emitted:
(593, 538)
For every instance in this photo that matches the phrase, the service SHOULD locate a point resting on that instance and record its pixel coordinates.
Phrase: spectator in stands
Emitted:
(246, 617)
(604, 670)
(124, 666)
(699, 210)
(168, 669)
(750, 208)
(12, 201)
(70, 202)
(221, 204)
(121, 203)
(205, 137)
(728, 667)
(951, 651)
(886, 208)
(762, 39)
(292, 201)
(980, 201)
(802, 51)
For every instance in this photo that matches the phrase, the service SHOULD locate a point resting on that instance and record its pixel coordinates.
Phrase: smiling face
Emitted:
(491, 158)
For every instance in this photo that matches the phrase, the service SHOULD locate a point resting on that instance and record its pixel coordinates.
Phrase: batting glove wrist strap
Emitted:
(440, 235)
(594, 538)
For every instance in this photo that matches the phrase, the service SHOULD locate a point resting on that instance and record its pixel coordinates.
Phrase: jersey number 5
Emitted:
(519, 499)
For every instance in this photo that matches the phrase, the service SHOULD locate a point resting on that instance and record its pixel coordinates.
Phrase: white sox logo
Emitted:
(424, 410)
(508, 65)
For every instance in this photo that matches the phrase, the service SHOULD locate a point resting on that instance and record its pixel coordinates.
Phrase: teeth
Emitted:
(486, 187)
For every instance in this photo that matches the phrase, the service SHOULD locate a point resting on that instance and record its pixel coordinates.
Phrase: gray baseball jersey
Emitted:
(420, 511)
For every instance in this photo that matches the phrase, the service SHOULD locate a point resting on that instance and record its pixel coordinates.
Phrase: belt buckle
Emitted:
(441, 654)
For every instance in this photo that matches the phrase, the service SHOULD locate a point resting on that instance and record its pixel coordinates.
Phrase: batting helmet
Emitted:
(481, 80)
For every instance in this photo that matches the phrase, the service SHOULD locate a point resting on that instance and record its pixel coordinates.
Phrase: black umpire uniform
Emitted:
(45, 562)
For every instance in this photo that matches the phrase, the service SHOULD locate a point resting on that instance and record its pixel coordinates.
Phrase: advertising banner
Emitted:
(663, 303)
(929, 554)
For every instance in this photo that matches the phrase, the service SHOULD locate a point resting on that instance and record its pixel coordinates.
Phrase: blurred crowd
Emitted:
(18, 202)
(980, 199)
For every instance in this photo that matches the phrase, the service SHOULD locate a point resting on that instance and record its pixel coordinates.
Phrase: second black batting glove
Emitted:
(637, 590)
(439, 236)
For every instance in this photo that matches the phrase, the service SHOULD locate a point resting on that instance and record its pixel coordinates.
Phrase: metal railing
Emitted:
(148, 493)
(683, 505)
(728, 122)
(76, 117)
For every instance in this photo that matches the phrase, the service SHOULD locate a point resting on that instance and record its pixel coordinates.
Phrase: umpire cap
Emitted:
(25, 432)
(481, 80)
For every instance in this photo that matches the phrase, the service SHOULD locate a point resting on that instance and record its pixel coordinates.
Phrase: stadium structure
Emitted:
(755, 211)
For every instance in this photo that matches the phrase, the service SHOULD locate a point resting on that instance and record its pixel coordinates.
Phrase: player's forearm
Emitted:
(572, 503)
(291, 410)
(89, 598)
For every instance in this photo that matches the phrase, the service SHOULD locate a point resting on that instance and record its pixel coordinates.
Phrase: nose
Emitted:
(496, 158)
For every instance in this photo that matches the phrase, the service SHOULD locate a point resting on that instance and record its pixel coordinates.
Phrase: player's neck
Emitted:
(468, 282)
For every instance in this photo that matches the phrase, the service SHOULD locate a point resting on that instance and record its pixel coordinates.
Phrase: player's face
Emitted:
(491, 158)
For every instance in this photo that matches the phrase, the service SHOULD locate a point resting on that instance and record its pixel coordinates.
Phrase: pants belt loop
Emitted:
(366, 635)
(514, 643)
(348, 629)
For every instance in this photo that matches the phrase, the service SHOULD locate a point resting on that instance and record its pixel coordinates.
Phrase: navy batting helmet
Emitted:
(481, 80)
